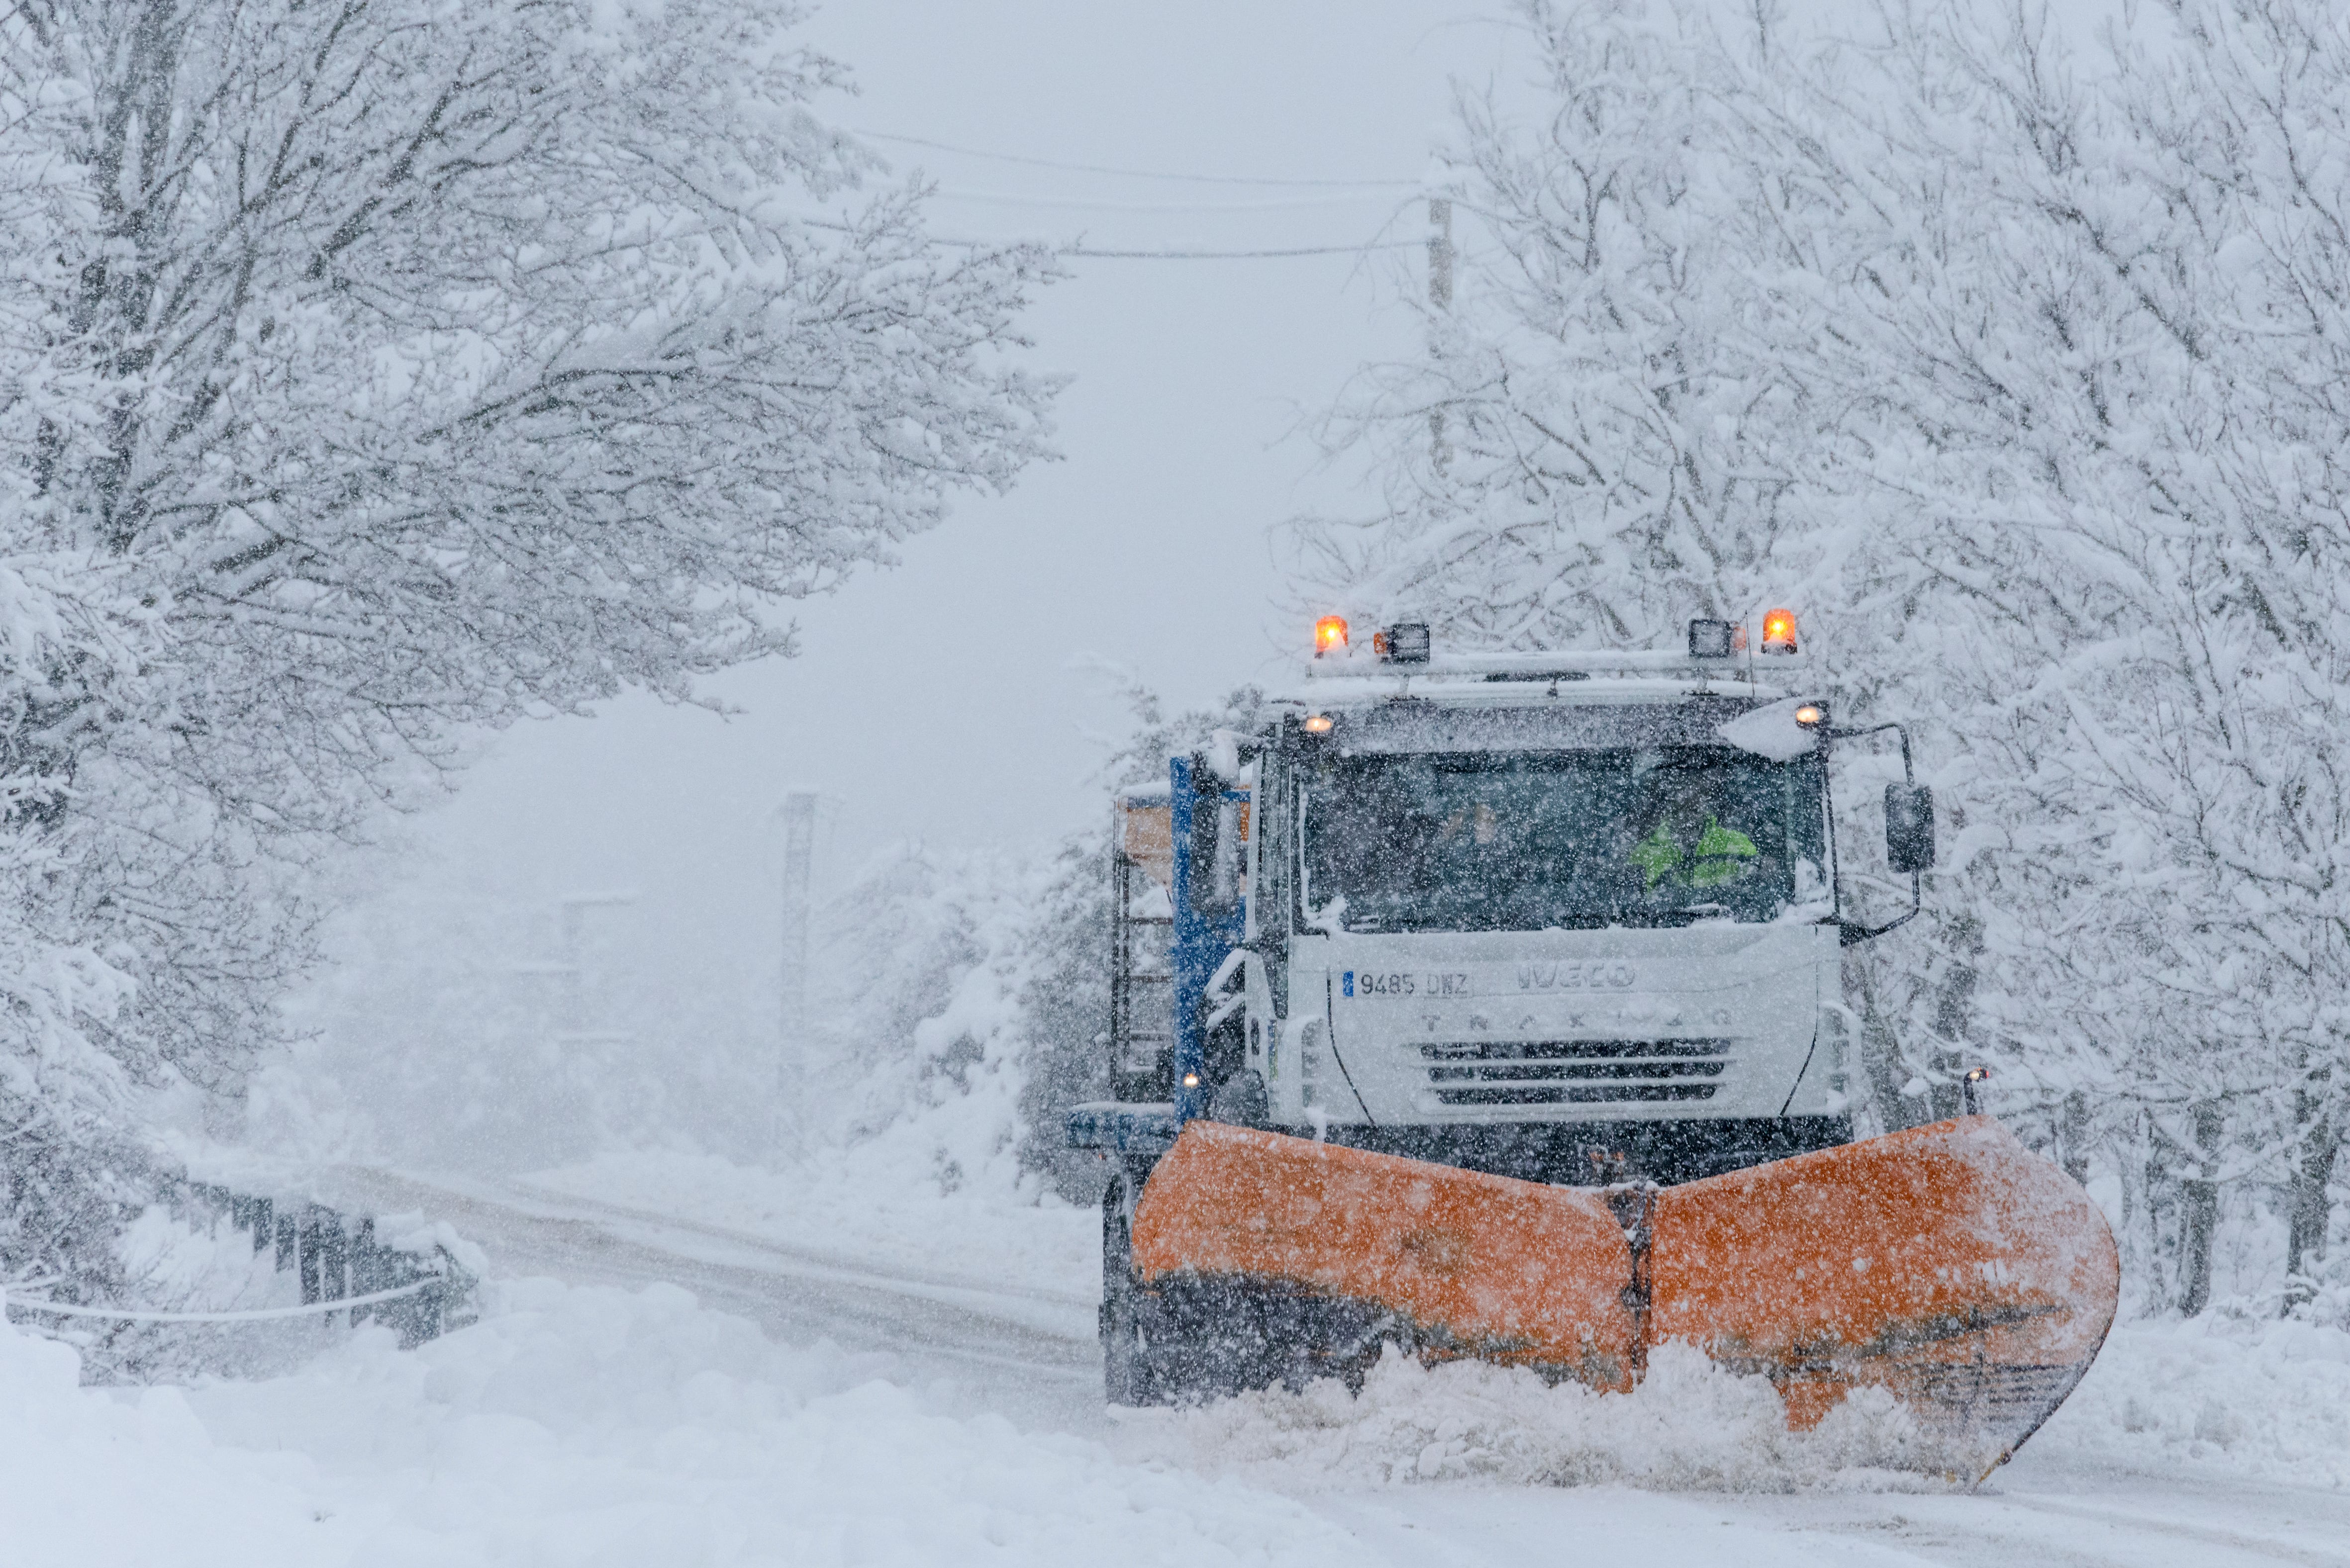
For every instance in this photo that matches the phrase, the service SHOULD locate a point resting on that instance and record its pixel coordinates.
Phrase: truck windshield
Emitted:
(1526, 841)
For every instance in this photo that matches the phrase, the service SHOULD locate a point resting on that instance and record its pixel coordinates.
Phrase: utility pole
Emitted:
(1439, 251)
(1440, 296)
(800, 855)
(574, 966)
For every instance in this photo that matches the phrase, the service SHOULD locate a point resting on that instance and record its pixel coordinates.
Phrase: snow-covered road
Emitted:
(1026, 1353)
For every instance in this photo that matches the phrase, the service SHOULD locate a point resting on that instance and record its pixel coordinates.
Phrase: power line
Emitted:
(1217, 255)
(1284, 204)
(1136, 173)
(1100, 252)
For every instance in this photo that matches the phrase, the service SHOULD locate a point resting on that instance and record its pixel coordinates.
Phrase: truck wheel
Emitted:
(1241, 1101)
(1125, 1361)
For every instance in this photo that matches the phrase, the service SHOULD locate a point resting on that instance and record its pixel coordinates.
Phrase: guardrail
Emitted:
(340, 1264)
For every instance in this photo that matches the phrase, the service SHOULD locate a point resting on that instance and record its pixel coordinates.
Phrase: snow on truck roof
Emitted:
(1400, 661)
(1682, 718)
(1352, 689)
(1396, 664)
(1398, 695)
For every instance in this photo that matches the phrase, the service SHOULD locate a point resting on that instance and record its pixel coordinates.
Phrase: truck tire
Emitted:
(1127, 1371)
(1241, 1101)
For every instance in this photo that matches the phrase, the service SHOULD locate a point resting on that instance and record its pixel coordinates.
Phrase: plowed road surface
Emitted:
(1029, 1355)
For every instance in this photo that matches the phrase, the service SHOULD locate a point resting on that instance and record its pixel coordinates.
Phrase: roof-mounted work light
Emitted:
(1711, 639)
(1329, 633)
(1403, 644)
(1779, 632)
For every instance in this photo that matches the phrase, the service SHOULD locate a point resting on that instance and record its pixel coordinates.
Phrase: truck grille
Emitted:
(1573, 1072)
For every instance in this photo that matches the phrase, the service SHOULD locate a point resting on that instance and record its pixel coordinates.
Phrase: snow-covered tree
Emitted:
(375, 373)
(2020, 373)
(1587, 454)
(2099, 337)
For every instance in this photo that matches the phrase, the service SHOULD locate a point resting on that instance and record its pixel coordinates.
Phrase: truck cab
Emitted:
(1547, 936)
(1570, 917)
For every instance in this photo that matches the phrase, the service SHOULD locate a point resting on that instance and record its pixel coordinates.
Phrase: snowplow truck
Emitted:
(1491, 1007)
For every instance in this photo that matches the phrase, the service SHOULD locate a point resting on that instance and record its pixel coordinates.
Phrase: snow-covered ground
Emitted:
(2221, 1395)
(586, 1426)
(857, 1378)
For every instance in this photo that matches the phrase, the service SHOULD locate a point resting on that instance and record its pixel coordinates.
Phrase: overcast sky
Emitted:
(943, 699)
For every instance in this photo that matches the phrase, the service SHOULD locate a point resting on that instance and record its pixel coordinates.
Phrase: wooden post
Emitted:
(307, 1244)
(792, 1023)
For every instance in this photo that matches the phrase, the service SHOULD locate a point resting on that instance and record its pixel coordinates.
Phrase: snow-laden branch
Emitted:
(383, 372)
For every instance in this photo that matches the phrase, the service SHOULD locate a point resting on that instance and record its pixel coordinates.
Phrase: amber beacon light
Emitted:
(1330, 632)
(1779, 632)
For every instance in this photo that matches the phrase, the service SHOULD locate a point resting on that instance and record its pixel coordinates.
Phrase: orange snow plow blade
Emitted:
(1949, 1265)
(1477, 1266)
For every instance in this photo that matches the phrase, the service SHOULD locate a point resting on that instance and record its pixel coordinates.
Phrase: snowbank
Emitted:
(2269, 1402)
(1688, 1426)
(584, 1426)
(2266, 1400)
(101, 1478)
(2219, 1396)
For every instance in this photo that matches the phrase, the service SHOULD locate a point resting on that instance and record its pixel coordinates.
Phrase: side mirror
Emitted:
(1909, 828)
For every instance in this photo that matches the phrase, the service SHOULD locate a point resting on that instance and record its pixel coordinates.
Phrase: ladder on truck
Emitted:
(1142, 969)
